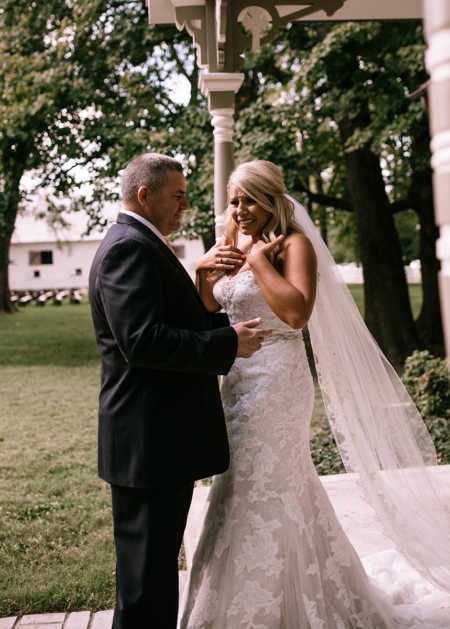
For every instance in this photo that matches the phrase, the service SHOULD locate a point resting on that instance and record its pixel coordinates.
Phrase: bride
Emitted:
(272, 554)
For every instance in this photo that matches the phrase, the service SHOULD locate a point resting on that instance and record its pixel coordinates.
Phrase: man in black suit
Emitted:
(161, 423)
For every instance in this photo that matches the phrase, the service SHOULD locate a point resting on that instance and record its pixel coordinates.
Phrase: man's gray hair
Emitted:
(148, 170)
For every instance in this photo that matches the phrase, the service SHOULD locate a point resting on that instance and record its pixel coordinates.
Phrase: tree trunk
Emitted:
(9, 203)
(429, 321)
(5, 302)
(387, 307)
(321, 209)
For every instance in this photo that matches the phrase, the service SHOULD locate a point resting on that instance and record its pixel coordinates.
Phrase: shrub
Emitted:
(439, 429)
(324, 452)
(427, 380)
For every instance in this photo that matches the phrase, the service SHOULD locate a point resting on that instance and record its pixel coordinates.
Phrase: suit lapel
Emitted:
(170, 256)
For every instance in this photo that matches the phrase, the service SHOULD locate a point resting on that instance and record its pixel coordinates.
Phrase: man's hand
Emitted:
(250, 337)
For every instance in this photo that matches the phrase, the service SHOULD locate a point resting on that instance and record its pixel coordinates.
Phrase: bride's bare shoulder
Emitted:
(297, 243)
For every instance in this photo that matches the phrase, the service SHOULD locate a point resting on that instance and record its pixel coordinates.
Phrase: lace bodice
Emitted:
(242, 299)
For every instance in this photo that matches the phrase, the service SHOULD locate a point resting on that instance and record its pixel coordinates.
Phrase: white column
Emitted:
(437, 29)
(220, 87)
(222, 120)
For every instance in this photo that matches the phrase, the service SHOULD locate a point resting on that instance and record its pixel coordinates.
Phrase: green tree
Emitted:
(363, 80)
(80, 88)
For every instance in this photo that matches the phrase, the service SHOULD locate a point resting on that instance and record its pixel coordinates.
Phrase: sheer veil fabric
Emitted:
(379, 432)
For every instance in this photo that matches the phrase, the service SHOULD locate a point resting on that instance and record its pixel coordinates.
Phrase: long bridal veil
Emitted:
(379, 432)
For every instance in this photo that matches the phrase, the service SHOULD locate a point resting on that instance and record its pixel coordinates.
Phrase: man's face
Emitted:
(164, 207)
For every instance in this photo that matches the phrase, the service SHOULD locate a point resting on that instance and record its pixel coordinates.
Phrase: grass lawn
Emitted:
(415, 297)
(56, 548)
(56, 544)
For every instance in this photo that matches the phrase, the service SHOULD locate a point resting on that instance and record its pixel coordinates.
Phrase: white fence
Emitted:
(353, 274)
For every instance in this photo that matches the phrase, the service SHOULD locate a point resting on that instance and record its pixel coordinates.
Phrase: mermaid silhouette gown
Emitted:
(272, 554)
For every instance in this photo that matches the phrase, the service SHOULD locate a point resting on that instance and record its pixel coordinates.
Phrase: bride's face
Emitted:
(246, 213)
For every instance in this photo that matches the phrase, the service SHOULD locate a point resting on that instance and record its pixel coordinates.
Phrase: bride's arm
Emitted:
(291, 293)
(204, 282)
(219, 258)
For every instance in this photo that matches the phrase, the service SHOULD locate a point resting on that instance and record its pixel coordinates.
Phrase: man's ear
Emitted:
(143, 195)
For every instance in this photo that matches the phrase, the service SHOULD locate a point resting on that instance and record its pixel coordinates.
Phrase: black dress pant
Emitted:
(148, 531)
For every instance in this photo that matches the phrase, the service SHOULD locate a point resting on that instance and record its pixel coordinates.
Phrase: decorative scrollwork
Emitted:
(221, 48)
(193, 20)
(293, 11)
(256, 20)
(264, 18)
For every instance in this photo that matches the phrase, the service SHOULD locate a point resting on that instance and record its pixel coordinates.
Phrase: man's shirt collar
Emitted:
(145, 222)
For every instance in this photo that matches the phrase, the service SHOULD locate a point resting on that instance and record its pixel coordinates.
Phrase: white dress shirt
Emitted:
(154, 229)
(144, 221)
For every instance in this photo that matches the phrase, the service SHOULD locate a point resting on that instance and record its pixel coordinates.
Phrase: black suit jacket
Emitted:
(161, 420)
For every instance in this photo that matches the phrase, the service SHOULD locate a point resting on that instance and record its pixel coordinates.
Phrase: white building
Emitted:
(39, 265)
(41, 259)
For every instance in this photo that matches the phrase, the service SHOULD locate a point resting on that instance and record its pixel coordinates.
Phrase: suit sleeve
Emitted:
(219, 320)
(130, 289)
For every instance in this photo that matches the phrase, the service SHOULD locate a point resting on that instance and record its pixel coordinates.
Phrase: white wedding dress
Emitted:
(272, 554)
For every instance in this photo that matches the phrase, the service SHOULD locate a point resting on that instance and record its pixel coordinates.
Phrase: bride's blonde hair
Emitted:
(263, 181)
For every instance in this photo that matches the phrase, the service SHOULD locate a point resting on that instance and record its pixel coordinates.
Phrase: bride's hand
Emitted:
(221, 256)
(263, 249)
